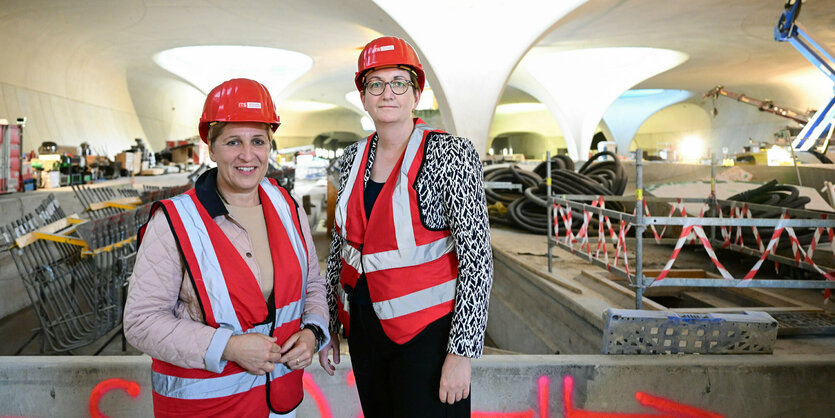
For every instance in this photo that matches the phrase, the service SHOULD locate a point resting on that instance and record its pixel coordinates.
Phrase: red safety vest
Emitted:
(231, 298)
(411, 271)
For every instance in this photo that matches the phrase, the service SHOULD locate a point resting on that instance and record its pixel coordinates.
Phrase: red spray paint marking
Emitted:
(542, 390)
(675, 408)
(526, 414)
(132, 388)
(318, 397)
(352, 381)
(668, 407)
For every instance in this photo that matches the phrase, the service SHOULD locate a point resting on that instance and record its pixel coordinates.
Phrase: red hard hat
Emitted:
(238, 100)
(388, 51)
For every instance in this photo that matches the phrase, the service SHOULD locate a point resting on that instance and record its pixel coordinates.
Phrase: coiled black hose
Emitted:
(510, 174)
(557, 161)
(779, 196)
(773, 194)
(528, 210)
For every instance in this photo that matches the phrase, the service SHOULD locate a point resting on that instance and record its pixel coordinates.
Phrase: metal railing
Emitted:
(561, 209)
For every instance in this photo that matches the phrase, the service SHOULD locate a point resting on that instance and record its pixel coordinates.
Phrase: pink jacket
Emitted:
(162, 314)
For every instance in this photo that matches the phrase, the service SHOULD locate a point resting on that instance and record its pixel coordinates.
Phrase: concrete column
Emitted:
(579, 85)
(627, 114)
(470, 47)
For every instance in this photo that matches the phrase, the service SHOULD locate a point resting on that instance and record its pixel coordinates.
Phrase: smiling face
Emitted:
(241, 152)
(389, 107)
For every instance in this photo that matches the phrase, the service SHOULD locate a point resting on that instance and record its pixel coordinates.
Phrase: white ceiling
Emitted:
(728, 42)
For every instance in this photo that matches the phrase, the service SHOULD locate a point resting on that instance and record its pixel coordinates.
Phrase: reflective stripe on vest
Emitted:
(343, 298)
(341, 212)
(408, 253)
(214, 387)
(416, 301)
(282, 206)
(207, 261)
(224, 312)
(407, 256)
(220, 303)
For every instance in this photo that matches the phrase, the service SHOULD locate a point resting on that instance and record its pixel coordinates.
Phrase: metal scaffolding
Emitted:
(728, 216)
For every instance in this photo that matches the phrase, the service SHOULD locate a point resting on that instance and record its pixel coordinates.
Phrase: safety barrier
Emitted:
(731, 217)
(75, 270)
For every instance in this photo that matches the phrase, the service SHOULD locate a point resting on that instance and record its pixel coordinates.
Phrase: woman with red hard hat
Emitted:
(410, 265)
(226, 294)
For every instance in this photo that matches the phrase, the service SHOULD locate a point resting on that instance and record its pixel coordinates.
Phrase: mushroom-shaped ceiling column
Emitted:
(579, 85)
(633, 108)
(471, 47)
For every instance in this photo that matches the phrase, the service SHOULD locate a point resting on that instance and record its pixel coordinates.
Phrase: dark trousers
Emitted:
(396, 380)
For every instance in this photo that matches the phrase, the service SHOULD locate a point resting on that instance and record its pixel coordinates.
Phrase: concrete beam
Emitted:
(525, 385)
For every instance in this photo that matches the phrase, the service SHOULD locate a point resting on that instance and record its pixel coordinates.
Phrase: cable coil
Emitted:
(529, 210)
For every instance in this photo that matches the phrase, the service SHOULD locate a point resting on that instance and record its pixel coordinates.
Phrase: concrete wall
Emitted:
(299, 128)
(51, 116)
(503, 386)
(732, 127)
(168, 109)
(662, 172)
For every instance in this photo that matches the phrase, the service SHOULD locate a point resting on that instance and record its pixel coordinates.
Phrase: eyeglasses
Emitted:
(377, 87)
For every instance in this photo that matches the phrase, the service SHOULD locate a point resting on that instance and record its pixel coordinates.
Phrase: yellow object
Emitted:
(498, 207)
(86, 252)
(126, 203)
(67, 224)
(639, 194)
(751, 158)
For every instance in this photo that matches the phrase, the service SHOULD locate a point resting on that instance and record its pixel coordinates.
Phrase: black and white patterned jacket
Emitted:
(450, 196)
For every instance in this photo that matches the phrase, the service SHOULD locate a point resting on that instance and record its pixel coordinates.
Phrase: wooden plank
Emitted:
(152, 171)
(122, 203)
(52, 228)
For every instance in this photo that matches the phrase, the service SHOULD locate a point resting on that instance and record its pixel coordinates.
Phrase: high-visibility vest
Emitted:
(231, 297)
(411, 271)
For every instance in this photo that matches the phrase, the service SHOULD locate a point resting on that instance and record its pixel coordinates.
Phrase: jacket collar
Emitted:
(206, 190)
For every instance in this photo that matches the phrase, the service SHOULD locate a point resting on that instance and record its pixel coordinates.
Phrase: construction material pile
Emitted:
(528, 210)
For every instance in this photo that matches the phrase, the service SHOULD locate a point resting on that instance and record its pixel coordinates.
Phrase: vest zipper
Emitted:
(267, 375)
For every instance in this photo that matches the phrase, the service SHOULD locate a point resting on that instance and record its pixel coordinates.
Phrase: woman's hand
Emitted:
(297, 352)
(257, 353)
(455, 379)
(327, 366)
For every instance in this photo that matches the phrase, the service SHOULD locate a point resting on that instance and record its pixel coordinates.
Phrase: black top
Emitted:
(370, 194)
(450, 196)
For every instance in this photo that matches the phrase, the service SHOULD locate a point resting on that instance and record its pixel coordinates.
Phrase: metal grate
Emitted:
(806, 323)
(629, 331)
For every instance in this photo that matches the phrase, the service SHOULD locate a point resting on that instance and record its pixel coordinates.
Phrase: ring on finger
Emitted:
(298, 362)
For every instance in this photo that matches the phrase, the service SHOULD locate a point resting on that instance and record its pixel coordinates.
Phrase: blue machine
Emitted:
(820, 126)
